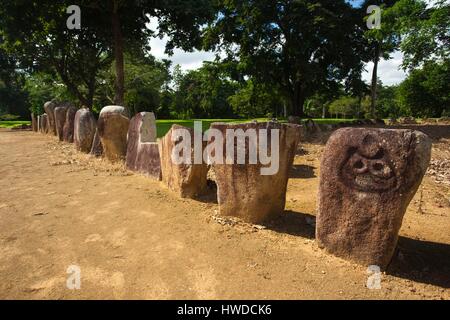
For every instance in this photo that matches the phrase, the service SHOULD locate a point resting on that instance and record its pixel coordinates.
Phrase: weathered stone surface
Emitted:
(34, 125)
(142, 148)
(43, 123)
(407, 120)
(84, 129)
(188, 180)
(97, 147)
(49, 108)
(112, 129)
(294, 119)
(368, 177)
(69, 124)
(60, 120)
(242, 190)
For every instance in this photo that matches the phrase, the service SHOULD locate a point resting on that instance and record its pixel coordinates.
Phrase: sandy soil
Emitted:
(132, 238)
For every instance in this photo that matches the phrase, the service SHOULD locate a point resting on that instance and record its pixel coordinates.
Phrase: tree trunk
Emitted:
(298, 100)
(91, 92)
(74, 89)
(374, 80)
(118, 56)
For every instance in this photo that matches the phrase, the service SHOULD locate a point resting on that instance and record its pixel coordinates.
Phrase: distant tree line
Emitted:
(277, 58)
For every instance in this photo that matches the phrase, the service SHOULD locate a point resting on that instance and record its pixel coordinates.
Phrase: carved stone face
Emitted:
(368, 167)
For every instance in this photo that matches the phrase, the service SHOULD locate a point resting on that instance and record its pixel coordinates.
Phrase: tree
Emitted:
(203, 93)
(387, 103)
(255, 99)
(179, 20)
(425, 31)
(426, 91)
(298, 46)
(36, 32)
(42, 87)
(145, 80)
(382, 41)
(345, 106)
(13, 97)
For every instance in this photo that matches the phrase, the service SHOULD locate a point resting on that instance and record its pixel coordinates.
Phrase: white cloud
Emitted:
(187, 60)
(388, 70)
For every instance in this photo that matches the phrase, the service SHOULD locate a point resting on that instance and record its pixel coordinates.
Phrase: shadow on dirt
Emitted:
(416, 260)
(422, 261)
(294, 223)
(302, 171)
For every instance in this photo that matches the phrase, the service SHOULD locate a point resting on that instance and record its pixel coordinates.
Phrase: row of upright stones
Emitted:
(368, 176)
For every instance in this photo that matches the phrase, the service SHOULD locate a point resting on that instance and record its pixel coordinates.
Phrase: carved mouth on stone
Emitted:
(368, 172)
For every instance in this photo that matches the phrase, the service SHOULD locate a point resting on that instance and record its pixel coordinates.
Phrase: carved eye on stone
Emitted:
(368, 171)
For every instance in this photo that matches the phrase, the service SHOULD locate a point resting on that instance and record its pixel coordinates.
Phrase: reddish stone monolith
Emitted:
(34, 125)
(112, 129)
(49, 108)
(253, 188)
(43, 123)
(367, 179)
(69, 124)
(142, 148)
(97, 147)
(84, 129)
(186, 178)
(60, 120)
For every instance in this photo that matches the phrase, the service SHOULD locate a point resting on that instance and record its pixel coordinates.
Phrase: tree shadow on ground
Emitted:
(294, 223)
(302, 171)
(422, 261)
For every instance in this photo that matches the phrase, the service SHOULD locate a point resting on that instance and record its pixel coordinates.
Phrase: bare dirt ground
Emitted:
(134, 239)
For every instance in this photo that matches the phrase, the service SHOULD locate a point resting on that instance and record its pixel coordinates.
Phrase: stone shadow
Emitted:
(302, 171)
(294, 223)
(210, 195)
(422, 261)
(416, 260)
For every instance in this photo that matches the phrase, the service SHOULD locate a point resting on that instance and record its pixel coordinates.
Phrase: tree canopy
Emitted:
(273, 58)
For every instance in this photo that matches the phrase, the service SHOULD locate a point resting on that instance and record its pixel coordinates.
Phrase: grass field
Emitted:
(12, 124)
(163, 126)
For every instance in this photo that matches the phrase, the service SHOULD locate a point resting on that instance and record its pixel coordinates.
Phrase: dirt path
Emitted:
(134, 239)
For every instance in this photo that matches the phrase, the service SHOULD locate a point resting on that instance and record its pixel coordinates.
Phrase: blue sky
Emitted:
(356, 3)
(388, 71)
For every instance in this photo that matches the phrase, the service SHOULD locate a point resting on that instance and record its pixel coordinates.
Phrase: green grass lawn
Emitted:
(12, 124)
(163, 126)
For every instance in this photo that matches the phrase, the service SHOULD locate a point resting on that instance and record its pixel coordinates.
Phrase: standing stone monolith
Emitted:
(60, 120)
(188, 180)
(39, 123)
(253, 188)
(43, 123)
(367, 179)
(69, 124)
(142, 148)
(49, 108)
(97, 147)
(112, 129)
(84, 129)
(34, 125)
